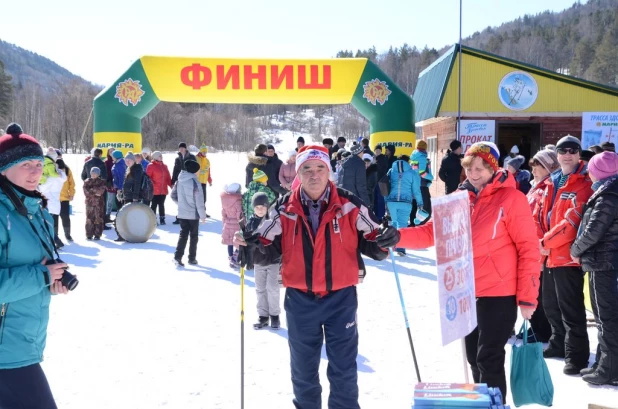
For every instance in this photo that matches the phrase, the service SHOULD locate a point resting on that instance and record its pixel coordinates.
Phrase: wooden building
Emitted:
(528, 106)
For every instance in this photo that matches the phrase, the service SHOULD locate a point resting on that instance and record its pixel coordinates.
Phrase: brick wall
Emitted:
(445, 130)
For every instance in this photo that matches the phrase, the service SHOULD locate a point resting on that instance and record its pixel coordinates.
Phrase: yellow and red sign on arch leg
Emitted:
(118, 109)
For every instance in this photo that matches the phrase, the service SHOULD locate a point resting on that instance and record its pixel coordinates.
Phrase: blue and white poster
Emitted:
(518, 91)
(599, 127)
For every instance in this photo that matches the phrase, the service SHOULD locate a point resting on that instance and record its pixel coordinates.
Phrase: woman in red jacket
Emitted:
(506, 259)
(158, 172)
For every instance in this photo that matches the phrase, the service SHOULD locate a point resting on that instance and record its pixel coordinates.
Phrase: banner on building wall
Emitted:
(599, 127)
(473, 131)
(455, 262)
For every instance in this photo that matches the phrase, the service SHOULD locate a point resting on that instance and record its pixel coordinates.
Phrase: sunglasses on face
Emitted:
(570, 151)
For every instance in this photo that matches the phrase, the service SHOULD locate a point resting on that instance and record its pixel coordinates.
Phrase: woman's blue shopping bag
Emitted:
(530, 379)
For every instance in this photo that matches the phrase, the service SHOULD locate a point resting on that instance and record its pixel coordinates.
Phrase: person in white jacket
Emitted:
(187, 193)
(50, 186)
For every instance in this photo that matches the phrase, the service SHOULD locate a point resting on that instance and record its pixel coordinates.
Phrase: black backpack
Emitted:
(146, 191)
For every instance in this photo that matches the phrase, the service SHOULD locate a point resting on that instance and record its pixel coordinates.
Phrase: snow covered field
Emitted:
(138, 333)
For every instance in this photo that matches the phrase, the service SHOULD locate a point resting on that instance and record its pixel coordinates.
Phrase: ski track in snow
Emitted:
(140, 333)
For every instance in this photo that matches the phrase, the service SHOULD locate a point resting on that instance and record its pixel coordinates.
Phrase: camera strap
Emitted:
(21, 209)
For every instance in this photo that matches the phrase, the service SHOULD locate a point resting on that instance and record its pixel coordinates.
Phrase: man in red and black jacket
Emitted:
(321, 232)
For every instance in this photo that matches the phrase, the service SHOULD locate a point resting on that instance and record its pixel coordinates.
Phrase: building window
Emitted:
(432, 152)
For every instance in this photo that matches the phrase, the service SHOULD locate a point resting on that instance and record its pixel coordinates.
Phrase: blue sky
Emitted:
(99, 41)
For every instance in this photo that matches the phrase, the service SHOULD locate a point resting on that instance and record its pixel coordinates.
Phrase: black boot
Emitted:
(162, 220)
(274, 322)
(59, 243)
(262, 322)
(588, 371)
(178, 261)
(67, 235)
(605, 374)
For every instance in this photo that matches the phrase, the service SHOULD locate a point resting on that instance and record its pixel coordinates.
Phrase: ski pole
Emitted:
(242, 337)
(405, 314)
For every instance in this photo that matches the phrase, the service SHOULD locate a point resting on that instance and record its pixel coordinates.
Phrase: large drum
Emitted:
(136, 222)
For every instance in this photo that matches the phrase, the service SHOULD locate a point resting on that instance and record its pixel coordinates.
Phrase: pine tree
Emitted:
(6, 92)
(604, 68)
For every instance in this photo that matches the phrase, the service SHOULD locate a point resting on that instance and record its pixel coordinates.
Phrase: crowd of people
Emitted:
(304, 224)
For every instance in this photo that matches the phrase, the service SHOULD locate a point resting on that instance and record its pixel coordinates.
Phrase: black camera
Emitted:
(68, 280)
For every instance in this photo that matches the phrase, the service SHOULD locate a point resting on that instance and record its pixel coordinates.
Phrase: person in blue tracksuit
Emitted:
(26, 280)
(422, 164)
(405, 187)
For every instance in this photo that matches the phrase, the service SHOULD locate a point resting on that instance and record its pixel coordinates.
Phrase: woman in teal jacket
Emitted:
(26, 281)
(405, 187)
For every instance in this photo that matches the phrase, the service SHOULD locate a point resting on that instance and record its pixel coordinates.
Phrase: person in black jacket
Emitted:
(596, 247)
(390, 154)
(258, 159)
(132, 186)
(450, 168)
(179, 164)
(372, 178)
(272, 155)
(353, 176)
(365, 145)
(95, 160)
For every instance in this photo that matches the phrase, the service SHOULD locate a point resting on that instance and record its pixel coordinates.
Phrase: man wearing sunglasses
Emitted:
(559, 215)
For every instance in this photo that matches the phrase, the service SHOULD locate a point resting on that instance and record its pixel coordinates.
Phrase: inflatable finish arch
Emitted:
(119, 109)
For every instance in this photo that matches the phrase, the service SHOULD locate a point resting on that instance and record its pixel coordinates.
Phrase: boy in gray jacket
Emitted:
(187, 193)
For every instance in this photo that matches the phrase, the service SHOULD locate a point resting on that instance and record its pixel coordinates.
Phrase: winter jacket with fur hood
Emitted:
(187, 193)
(504, 241)
(266, 165)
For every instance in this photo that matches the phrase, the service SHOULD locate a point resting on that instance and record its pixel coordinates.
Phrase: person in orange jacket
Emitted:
(506, 259)
(558, 216)
(159, 173)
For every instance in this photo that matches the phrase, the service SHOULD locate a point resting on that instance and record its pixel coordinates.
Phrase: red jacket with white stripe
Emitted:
(559, 214)
(504, 241)
(330, 260)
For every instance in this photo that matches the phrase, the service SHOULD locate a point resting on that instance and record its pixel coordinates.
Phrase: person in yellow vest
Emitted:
(204, 174)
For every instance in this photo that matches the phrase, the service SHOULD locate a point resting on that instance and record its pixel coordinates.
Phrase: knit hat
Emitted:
(146, 151)
(367, 157)
(551, 147)
(341, 139)
(203, 148)
(95, 170)
(291, 153)
(608, 146)
(51, 152)
(356, 149)
(156, 155)
(568, 141)
(312, 152)
(327, 141)
(16, 147)
(260, 199)
(182, 145)
(259, 176)
(300, 139)
(391, 149)
(192, 166)
(515, 149)
(59, 153)
(232, 188)
(270, 146)
(488, 151)
(548, 159)
(378, 146)
(586, 155)
(603, 165)
(117, 155)
(455, 144)
(516, 162)
(130, 156)
(421, 145)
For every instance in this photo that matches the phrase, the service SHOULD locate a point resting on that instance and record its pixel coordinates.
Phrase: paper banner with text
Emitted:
(473, 131)
(455, 262)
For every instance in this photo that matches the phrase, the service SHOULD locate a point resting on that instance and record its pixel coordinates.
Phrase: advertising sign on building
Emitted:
(599, 127)
(473, 131)
(454, 258)
(518, 91)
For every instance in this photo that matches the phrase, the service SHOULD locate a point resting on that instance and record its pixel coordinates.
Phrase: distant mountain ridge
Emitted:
(29, 67)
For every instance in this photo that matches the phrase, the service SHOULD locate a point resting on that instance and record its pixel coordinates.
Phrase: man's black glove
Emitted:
(252, 239)
(388, 237)
(242, 256)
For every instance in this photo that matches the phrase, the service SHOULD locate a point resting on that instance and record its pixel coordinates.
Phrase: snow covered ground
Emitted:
(139, 333)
